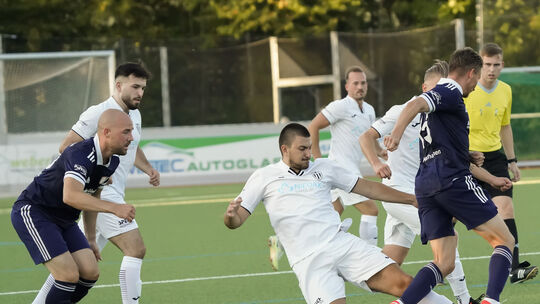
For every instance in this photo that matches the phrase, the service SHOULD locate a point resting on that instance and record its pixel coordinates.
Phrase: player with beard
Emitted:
(130, 83)
(297, 198)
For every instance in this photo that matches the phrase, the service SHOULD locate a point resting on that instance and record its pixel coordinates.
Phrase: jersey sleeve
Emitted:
(506, 117)
(253, 191)
(86, 126)
(333, 112)
(77, 165)
(385, 124)
(338, 176)
(442, 98)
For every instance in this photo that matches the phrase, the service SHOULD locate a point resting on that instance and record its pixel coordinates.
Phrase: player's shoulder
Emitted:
(504, 86)
(97, 109)
(83, 151)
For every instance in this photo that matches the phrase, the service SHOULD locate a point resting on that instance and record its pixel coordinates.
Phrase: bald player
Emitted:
(45, 213)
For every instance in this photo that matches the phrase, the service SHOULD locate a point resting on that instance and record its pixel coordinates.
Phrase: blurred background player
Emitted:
(45, 213)
(489, 107)
(297, 198)
(402, 222)
(130, 83)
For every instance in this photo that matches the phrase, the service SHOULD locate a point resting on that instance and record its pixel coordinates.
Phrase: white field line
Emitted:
(236, 276)
(212, 198)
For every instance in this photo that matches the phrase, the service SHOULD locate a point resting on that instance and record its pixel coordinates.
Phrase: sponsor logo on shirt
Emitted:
(431, 155)
(299, 187)
(80, 169)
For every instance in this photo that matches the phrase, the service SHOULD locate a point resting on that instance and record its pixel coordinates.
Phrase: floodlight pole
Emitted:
(165, 95)
(480, 23)
(460, 33)
(3, 116)
(274, 65)
(336, 73)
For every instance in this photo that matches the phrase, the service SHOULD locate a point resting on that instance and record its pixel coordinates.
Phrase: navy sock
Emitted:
(83, 286)
(511, 224)
(60, 293)
(499, 268)
(422, 284)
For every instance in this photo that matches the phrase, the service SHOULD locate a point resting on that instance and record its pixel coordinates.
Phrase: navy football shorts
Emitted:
(44, 238)
(465, 200)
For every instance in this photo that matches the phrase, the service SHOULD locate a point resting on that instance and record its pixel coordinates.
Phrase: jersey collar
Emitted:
(98, 153)
(284, 166)
(490, 90)
(452, 81)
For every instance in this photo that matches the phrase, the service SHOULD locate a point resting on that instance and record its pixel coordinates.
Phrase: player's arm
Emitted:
(318, 123)
(142, 163)
(74, 196)
(501, 183)
(378, 191)
(70, 139)
(507, 139)
(370, 148)
(418, 105)
(235, 215)
(89, 220)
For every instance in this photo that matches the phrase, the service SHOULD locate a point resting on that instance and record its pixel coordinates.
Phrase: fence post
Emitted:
(334, 48)
(3, 116)
(274, 65)
(165, 95)
(460, 33)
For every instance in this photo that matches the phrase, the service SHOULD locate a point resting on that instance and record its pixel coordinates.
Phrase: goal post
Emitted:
(45, 92)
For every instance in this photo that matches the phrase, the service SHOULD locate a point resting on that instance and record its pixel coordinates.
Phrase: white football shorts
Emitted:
(402, 224)
(322, 275)
(347, 198)
(109, 225)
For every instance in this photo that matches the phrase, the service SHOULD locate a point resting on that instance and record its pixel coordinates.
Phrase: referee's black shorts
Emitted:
(495, 163)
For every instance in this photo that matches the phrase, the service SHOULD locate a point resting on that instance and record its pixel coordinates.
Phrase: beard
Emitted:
(129, 103)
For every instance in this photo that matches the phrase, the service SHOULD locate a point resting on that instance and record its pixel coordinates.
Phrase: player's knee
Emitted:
(403, 284)
(68, 275)
(137, 252)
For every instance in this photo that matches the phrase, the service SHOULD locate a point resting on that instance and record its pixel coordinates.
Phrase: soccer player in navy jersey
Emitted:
(45, 213)
(444, 186)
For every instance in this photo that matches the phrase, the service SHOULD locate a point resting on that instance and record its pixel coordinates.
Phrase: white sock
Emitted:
(458, 283)
(434, 298)
(130, 280)
(368, 230)
(44, 291)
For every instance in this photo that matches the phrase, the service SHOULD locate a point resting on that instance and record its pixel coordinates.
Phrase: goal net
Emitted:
(44, 92)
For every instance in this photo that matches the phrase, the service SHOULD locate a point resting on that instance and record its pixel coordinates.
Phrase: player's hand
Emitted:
(476, 158)
(382, 170)
(391, 142)
(232, 209)
(501, 183)
(516, 174)
(414, 201)
(125, 211)
(384, 154)
(95, 249)
(154, 177)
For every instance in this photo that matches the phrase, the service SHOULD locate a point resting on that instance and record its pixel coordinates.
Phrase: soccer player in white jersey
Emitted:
(130, 83)
(348, 118)
(296, 195)
(402, 222)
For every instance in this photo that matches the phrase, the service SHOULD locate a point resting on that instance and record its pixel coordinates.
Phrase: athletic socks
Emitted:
(368, 230)
(457, 281)
(60, 293)
(422, 284)
(83, 286)
(42, 294)
(499, 268)
(130, 280)
(511, 224)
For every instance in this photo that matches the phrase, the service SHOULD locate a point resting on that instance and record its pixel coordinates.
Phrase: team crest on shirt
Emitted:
(80, 169)
(317, 175)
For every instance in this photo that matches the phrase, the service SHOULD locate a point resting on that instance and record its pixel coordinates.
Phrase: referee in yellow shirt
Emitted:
(489, 107)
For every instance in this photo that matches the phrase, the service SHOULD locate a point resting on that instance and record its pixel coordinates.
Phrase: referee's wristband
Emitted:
(511, 160)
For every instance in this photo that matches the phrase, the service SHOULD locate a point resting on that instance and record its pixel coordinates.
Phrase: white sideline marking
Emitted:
(213, 198)
(235, 276)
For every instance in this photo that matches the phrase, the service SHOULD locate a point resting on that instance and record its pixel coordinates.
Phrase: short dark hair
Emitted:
(491, 49)
(132, 68)
(353, 69)
(440, 68)
(464, 60)
(290, 131)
